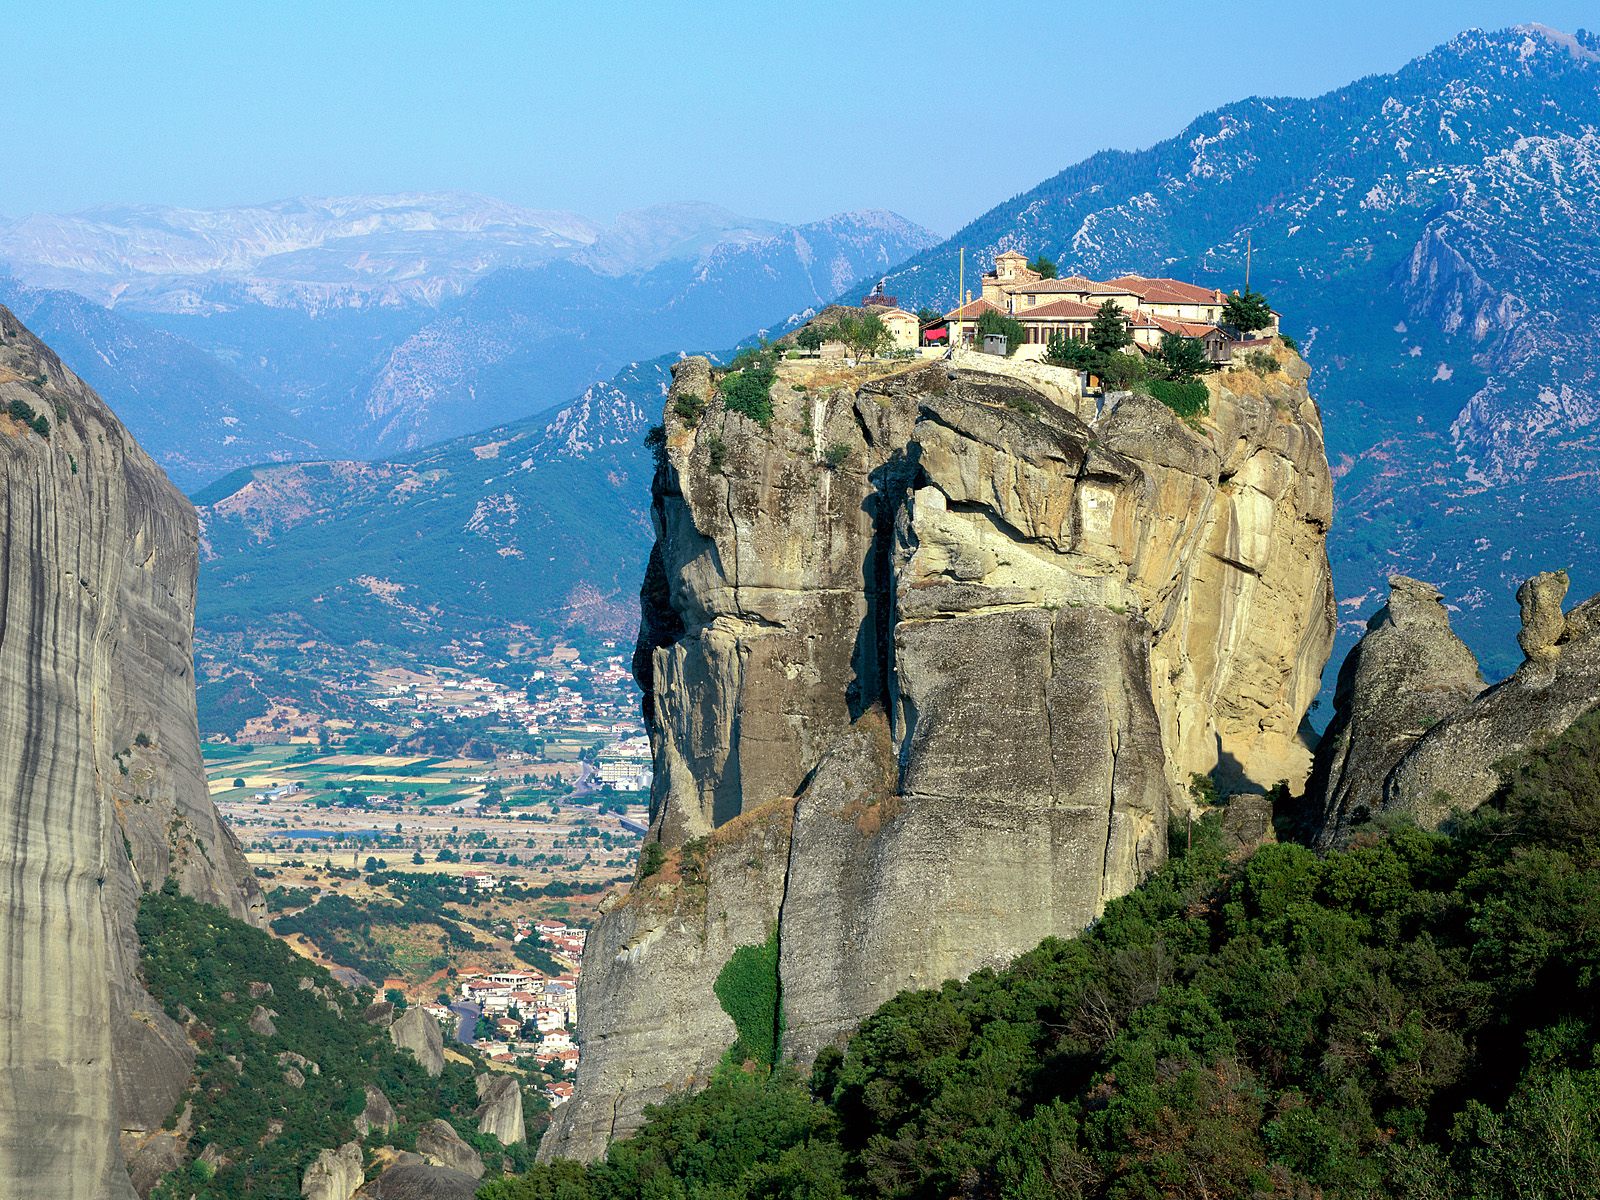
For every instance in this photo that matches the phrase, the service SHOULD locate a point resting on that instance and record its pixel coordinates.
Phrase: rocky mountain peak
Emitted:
(929, 657)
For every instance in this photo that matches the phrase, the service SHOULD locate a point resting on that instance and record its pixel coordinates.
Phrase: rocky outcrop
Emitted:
(416, 1031)
(334, 1174)
(378, 1116)
(927, 663)
(1408, 672)
(102, 788)
(1415, 732)
(499, 1110)
(441, 1145)
(420, 1181)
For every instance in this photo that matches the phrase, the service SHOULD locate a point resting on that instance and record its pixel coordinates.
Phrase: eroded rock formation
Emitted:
(416, 1031)
(499, 1108)
(1415, 731)
(928, 660)
(101, 784)
(334, 1174)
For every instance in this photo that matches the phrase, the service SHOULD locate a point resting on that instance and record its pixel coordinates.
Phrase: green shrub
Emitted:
(1118, 369)
(1289, 342)
(835, 456)
(749, 391)
(716, 451)
(655, 439)
(1109, 330)
(1186, 397)
(992, 322)
(1182, 357)
(747, 989)
(1247, 312)
(1261, 362)
(689, 407)
(651, 859)
(1062, 351)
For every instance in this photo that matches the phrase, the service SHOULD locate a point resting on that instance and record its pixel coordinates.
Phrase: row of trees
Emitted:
(864, 336)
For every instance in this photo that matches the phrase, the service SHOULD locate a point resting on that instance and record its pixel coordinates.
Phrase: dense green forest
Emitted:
(200, 964)
(1413, 1017)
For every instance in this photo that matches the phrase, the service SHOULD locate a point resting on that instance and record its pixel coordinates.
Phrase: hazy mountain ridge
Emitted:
(193, 413)
(377, 249)
(525, 338)
(380, 324)
(537, 522)
(1431, 236)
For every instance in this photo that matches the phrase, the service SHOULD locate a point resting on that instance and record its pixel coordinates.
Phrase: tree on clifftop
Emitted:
(865, 335)
(1247, 311)
(1181, 357)
(1044, 267)
(1007, 327)
(1109, 329)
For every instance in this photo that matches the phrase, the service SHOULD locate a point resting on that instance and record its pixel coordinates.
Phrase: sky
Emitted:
(789, 111)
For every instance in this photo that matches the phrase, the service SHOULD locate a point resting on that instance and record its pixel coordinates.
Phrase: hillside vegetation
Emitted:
(1412, 1017)
(263, 1124)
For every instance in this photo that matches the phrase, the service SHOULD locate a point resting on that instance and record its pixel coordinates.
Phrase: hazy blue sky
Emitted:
(790, 111)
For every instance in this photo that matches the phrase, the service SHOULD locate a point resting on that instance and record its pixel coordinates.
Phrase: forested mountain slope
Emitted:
(1431, 238)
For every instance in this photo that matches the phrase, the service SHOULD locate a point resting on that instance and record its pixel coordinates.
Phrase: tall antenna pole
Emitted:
(961, 288)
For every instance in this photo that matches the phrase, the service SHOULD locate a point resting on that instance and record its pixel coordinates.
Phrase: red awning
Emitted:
(935, 335)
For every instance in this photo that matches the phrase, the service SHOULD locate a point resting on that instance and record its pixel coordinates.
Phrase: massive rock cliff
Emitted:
(102, 790)
(1415, 732)
(928, 662)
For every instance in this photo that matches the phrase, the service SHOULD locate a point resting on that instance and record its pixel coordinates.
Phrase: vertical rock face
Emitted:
(927, 662)
(1414, 731)
(500, 1108)
(101, 783)
(417, 1032)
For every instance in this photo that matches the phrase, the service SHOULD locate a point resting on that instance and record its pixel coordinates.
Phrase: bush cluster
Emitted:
(196, 957)
(747, 989)
(1415, 1017)
(747, 387)
(22, 411)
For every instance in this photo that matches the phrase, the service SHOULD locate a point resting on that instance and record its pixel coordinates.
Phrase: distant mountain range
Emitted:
(370, 325)
(1432, 237)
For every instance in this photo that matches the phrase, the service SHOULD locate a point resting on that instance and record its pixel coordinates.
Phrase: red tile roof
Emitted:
(1194, 329)
(1162, 290)
(1072, 285)
(972, 310)
(1058, 310)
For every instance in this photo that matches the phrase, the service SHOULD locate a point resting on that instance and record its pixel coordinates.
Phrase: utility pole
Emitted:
(961, 288)
(1247, 239)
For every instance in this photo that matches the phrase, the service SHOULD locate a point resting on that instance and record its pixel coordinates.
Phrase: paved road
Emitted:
(467, 1023)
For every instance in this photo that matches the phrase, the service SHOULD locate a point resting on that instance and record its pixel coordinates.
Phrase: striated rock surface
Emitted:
(441, 1145)
(927, 663)
(500, 1107)
(416, 1031)
(334, 1174)
(102, 789)
(420, 1181)
(1408, 672)
(377, 1116)
(1442, 736)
